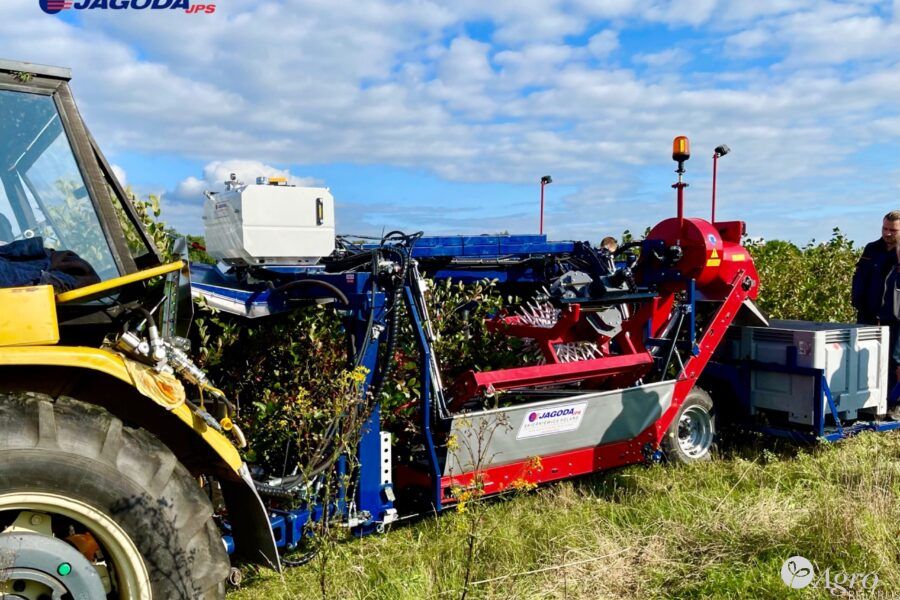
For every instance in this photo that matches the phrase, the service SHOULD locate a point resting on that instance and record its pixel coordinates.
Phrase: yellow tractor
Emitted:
(113, 444)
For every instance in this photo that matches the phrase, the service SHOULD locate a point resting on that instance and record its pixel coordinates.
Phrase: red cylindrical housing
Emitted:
(713, 262)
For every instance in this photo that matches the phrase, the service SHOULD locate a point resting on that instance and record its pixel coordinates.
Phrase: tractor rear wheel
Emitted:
(692, 435)
(92, 508)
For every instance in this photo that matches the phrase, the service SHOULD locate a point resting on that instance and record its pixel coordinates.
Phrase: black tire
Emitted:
(692, 435)
(80, 453)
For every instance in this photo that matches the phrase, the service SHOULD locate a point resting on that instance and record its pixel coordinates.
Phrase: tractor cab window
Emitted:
(42, 191)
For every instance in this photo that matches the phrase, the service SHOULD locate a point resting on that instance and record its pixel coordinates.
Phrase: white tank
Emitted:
(269, 224)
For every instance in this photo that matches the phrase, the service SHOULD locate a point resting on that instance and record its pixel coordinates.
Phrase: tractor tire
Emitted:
(79, 465)
(692, 435)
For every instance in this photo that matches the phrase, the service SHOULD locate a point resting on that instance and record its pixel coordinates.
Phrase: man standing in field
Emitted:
(873, 292)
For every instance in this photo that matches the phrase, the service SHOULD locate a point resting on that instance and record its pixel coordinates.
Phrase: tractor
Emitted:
(104, 459)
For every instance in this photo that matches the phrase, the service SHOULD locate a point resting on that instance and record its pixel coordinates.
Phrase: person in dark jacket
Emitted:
(26, 262)
(875, 279)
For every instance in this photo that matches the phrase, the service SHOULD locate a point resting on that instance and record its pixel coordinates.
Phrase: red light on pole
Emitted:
(718, 153)
(546, 179)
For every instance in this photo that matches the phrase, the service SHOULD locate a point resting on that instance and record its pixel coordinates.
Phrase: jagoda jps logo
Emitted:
(549, 414)
(52, 7)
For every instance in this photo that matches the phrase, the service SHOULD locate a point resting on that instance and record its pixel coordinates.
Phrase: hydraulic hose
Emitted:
(314, 282)
(391, 345)
(299, 562)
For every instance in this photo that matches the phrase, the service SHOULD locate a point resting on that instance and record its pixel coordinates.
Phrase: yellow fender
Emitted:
(164, 390)
(28, 334)
(253, 535)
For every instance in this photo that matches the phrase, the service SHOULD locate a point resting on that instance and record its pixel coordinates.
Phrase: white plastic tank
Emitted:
(269, 223)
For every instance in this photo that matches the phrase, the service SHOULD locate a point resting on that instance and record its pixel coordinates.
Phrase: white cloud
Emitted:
(743, 12)
(608, 9)
(749, 42)
(120, 174)
(465, 63)
(192, 188)
(690, 12)
(811, 33)
(520, 23)
(604, 43)
(532, 65)
(672, 57)
(408, 84)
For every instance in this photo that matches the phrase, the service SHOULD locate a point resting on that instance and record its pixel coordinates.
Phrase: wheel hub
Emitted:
(695, 432)
(40, 567)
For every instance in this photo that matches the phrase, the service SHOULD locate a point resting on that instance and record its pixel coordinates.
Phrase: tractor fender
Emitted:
(135, 393)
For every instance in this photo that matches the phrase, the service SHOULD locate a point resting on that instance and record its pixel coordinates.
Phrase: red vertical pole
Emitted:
(679, 188)
(541, 231)
(680, 204)
(712, 218)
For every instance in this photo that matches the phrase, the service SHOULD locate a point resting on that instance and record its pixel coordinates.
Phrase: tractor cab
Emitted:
(55, 183)
(65, 220)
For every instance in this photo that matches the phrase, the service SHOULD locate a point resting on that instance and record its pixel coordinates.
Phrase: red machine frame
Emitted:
(682, 258)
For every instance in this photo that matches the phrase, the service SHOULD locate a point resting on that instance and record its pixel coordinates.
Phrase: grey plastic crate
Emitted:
(854, 357)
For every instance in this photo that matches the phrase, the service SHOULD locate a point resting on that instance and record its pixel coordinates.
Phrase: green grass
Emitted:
(717, 530)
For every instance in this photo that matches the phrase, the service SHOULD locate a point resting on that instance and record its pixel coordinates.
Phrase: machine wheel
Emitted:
(692, 435)
(87, 501)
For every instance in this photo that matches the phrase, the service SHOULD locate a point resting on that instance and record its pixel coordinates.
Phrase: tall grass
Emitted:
(717, 530)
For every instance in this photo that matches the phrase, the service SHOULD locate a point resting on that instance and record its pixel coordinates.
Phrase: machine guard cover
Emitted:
(750, 315)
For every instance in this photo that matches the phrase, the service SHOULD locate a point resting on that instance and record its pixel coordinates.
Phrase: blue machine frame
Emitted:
(372, 505)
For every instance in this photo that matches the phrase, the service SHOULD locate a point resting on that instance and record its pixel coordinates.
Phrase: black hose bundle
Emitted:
(324, 458)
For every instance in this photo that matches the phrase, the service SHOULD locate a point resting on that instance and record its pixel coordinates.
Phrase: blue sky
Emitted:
(443, 117)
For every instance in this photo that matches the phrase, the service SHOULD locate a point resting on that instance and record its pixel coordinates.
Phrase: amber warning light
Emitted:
(681, 148)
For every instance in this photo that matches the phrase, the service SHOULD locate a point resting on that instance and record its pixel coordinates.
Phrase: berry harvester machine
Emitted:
(623, 339)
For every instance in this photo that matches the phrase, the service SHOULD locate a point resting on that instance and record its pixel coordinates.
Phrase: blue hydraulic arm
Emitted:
(363, 302)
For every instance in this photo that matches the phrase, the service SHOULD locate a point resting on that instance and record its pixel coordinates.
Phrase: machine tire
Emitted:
(76, 461)
(692, 435)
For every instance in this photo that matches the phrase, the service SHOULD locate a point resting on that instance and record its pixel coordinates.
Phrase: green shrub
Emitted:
(458, 314)
(273, 369)
(811, 283)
